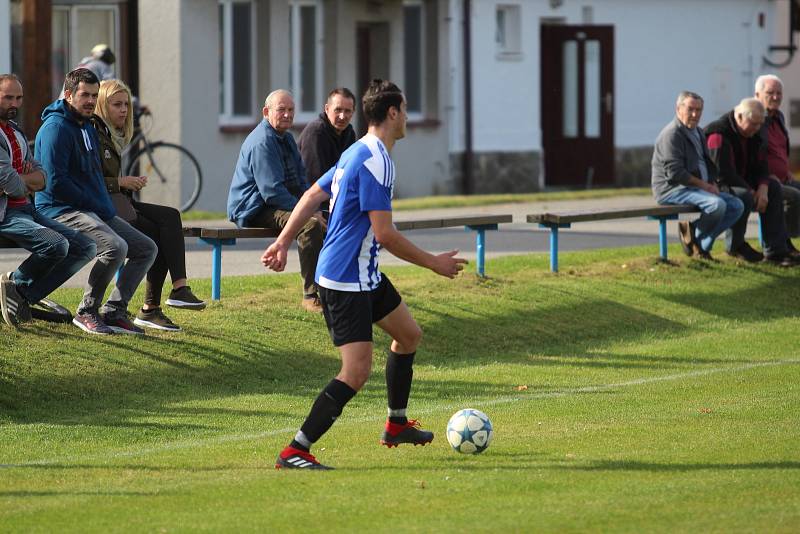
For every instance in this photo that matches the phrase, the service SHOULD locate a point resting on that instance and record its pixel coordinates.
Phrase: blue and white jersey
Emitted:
(362, 181)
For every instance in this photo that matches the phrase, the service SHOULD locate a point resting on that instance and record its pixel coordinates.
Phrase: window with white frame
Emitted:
(237, 65)
(414, 56)
(305, 67)
(76, 29)
(508, 29)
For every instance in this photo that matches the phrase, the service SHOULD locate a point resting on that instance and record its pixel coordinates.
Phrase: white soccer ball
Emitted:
(469, 431)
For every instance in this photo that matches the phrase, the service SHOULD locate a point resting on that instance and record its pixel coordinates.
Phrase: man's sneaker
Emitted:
(155, 318)
(91, 323)
(184, 298)
(119, 323)
(14, 308)
(291, 458)
(747, 253)
(686, 235)
(782, 260)
(312, 304)
(395, 434)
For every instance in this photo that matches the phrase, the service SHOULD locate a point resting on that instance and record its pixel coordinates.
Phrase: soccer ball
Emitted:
(469, 431)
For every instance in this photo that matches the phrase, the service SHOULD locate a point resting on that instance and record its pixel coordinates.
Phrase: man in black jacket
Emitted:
(741, 159)
(324, 139)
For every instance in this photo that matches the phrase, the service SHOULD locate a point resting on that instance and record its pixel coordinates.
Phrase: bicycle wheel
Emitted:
(170, 164)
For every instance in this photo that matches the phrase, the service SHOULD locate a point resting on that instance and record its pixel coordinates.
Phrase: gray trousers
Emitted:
(791, 203)
(115, 240)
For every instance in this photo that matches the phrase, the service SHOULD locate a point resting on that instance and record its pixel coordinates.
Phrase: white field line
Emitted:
(178, 445)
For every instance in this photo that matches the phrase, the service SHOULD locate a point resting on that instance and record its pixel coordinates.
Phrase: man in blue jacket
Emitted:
(75, 195)
(268, 181)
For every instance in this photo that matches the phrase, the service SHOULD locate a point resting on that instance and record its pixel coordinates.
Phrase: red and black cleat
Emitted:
(291, 458)
(395, 434)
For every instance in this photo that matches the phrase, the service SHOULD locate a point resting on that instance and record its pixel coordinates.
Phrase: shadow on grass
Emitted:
(53, 493)
(669, 468)
(118, 381)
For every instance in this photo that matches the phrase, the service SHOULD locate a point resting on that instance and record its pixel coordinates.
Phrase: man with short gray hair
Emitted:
(269, 179)
(737, 151)
(775, 139)
(683, 173)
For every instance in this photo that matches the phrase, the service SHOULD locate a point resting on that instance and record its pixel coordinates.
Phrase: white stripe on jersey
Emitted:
(380, 164)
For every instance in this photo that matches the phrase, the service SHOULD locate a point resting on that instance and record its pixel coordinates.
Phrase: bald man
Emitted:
(267, 183)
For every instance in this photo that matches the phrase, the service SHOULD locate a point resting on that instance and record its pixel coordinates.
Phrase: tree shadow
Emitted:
(628, 465)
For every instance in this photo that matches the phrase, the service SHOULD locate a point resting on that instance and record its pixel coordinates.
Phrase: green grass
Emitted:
(626, 395)
(461, 201)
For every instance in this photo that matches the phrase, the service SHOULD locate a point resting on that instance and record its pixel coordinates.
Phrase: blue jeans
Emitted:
(115, 240)
(57, 252)
(719, 212)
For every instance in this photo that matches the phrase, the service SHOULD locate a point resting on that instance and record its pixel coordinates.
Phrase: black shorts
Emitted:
(350, 314)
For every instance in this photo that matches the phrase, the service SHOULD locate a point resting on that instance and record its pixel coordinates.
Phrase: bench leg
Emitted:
(216, 271)
(216, 263)
(480, 243)
(662, 239)
(554, 249)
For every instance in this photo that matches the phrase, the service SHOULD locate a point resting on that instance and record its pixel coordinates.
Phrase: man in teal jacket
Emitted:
(75, 195)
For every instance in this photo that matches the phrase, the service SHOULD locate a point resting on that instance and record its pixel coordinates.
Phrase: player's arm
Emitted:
(445, 264)
(275, 256)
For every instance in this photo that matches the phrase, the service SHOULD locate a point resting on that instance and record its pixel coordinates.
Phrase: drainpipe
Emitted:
(466, 177)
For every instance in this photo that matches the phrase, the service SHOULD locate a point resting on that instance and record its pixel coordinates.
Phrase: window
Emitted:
(237, 67)
(76, 30)
(414, 57)
(508, 28)
(305, 67)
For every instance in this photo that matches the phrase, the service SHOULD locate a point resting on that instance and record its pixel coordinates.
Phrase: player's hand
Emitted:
(275, 257)
(134, 183)
(27, 167)
(712, 188)
(761, 198)
(446, 264)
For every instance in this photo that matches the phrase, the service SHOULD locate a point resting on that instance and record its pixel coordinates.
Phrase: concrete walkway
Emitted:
(518, 237)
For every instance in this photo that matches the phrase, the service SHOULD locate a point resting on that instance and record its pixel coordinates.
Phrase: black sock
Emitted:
(399, 372)
(326, 408)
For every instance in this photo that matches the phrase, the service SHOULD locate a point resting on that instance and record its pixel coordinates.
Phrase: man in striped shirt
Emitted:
(353, 291)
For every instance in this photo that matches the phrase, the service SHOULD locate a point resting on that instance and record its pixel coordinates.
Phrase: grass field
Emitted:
(626, 395)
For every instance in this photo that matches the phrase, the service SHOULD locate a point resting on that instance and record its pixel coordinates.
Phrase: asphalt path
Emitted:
(518, 237)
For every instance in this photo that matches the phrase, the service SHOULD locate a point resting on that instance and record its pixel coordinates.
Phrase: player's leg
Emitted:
(406, 335)
(348, 317)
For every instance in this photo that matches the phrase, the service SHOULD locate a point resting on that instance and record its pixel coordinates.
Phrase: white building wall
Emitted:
(712, 47)
(5, 36)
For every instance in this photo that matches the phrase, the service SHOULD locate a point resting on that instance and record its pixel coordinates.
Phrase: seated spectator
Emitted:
(57, 252)
(683, 173)
(114, 124)
(740, 157)
(76, 195)
(324, 139)
(268, 181)
(775, 137)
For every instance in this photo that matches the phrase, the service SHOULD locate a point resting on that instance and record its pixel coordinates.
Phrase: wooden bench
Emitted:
(564, 219)
(219, 237)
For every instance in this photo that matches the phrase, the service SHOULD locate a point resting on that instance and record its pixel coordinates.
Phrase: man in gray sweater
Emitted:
(683, 173)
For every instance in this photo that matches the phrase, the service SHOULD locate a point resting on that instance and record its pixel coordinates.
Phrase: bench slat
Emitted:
(478, 220)
(566, 217)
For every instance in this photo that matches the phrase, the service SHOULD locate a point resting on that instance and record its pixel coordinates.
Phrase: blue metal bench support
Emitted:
(480, 245)
(216, 262)
(662, 232)
(553, 227)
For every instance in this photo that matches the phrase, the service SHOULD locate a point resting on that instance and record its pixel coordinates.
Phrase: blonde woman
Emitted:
(114, 124)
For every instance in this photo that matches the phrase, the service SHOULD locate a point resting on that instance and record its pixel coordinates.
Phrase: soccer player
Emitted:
(353, 292)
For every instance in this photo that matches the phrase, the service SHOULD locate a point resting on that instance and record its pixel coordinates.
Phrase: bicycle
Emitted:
(164, 160)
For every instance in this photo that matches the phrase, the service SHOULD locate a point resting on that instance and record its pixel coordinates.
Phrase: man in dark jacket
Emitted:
(268, 181)
(57, 252)
(683, 173)
(76, 195)
(324, 139)
(775, 136)
(741, 158)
